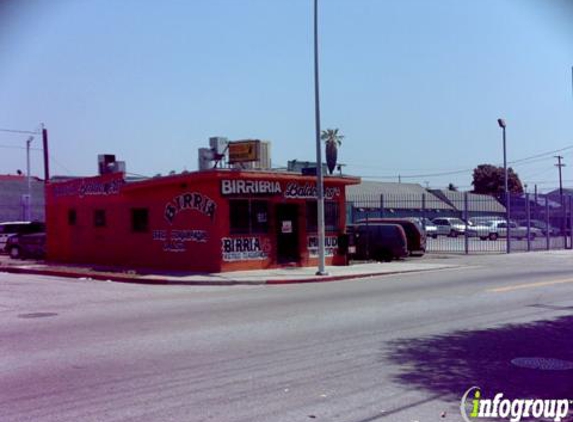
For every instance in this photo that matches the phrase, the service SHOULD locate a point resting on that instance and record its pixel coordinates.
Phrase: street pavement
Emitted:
(402, 347)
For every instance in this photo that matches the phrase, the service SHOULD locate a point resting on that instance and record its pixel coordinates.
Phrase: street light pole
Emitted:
(502, 125)
(28, 202)
(319, 176)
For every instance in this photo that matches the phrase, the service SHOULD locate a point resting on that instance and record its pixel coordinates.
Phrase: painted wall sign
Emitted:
(245, 248)
(190, 201)
(309, 191)
(250, 187)
(175, 240)
(89, 187)
(293, 190)
(330, 245)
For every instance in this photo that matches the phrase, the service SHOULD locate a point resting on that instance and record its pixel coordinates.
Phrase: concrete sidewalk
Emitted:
(258, 277)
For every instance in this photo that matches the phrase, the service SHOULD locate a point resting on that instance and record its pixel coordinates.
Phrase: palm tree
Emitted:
(332, 140)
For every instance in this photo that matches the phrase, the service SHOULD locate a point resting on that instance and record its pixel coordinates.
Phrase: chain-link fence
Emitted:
(21, 211)
(20, 201)
(461, 222)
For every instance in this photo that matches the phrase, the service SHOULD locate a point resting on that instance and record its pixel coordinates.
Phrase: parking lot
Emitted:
(461, 244)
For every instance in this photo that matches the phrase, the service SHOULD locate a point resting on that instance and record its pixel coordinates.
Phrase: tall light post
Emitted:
(319, 176)
(44, 132)
(28, 202)
(502, 125)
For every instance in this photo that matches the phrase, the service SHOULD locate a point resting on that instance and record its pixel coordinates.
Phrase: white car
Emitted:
(515, 230)
(449, 226)
(483, 230)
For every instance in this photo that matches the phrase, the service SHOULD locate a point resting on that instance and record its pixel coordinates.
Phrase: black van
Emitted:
(382, 242)
(415, 234)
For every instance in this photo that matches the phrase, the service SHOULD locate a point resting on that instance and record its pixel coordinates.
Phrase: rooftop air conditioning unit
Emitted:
(104, 162)
(206, 157)
(218, 144)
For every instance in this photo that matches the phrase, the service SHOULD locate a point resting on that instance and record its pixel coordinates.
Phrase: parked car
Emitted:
(450, 226)
(12, 228)
(483, 219)
(22, 246)
(515, 230)
(414, 233)
(483, 230)
(429, 228)
(379, 241)
(542, 225)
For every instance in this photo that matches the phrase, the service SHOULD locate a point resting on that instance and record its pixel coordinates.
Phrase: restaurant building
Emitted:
(206, 221)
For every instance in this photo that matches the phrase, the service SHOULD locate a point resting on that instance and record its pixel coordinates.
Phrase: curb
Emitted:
(169, 282)
(326, 279)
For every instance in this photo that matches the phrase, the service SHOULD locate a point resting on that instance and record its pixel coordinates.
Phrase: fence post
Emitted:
(528, 212)
(382, 205)
(547, 222)
(367, 237)
(424, 210)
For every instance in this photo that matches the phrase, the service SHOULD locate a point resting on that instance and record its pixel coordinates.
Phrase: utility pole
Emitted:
(44, 133)
(536, 204)
(319, 176)
(46, 154)
(560, 165)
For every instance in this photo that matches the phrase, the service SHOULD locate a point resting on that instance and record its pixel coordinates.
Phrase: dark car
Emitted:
(383, 242)
(415, 234)
(12, 228)
(21, 246)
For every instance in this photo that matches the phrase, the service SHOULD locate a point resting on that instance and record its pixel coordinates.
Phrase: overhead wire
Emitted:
(540, 157)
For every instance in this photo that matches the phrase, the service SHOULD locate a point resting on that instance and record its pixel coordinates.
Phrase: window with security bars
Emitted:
(331, 216)
(140, 220)
(248, 216)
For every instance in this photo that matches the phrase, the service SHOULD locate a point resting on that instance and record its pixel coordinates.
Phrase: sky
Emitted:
(415, 86)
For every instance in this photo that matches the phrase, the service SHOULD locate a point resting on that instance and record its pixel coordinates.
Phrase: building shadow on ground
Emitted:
(448, 365)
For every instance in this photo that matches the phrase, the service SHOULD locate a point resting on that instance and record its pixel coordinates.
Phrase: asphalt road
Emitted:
(394, 348)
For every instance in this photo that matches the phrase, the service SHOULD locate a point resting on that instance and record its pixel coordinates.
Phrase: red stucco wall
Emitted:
(188, 220)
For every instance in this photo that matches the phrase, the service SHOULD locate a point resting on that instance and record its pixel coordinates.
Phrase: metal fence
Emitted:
(19, 211)
(467, 223)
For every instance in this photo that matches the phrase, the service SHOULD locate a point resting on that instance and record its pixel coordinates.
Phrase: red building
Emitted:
(208, 221)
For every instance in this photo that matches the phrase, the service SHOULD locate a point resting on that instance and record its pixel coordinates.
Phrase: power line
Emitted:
(20, 131)
(464, 171)
(60, 165)
(542, 154)
(52, 158)
(17, 147)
